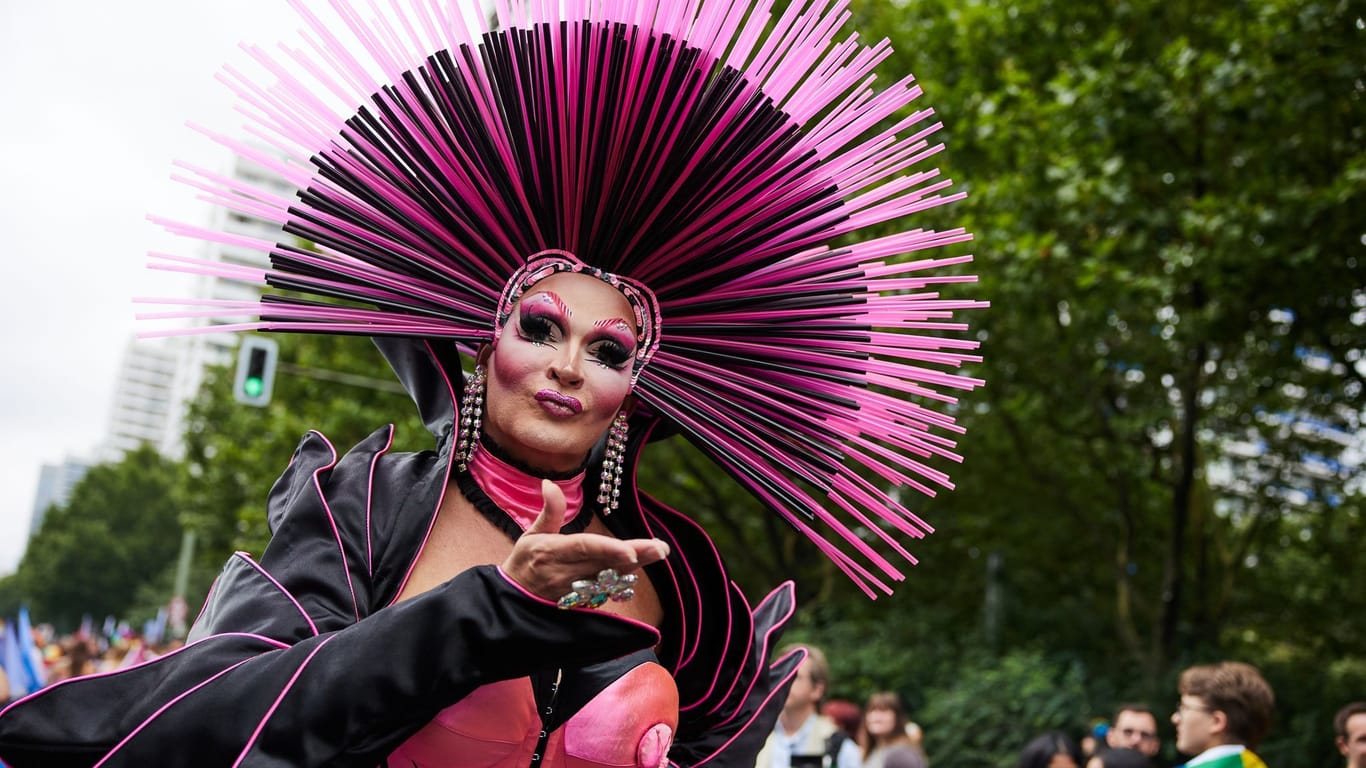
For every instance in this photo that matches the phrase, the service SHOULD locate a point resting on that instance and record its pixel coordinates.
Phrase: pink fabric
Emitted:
(519, 494)
(630, 724)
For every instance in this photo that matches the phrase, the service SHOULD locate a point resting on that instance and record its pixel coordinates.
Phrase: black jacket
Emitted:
(302, 660)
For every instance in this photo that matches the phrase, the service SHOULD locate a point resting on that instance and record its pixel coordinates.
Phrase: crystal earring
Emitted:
(471, 415)
(609, 492)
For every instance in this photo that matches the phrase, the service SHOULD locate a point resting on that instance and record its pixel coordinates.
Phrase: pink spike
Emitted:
(721, 181)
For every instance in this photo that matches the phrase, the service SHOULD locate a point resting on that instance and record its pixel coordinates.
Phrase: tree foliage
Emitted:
(1162, 468)
(119, 531)
(338, 385)
(1167, 204)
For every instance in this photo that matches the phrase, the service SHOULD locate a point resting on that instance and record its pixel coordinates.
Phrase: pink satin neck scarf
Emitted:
(519, 494)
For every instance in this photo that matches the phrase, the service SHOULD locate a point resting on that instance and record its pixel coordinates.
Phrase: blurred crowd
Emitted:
(1224, 711)
(35, 656)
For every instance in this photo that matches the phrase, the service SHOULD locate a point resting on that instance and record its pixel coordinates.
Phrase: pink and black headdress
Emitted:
(732, 161)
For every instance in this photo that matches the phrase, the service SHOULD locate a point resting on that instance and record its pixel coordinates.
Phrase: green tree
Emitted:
(979, 717)
(339, 385)
(1166, 200)
(1174, 273)
(119, 531)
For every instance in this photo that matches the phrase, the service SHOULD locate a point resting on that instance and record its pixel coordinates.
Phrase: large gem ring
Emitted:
(594, 594)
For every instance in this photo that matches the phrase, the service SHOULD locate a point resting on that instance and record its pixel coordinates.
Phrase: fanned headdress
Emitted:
(732, 161)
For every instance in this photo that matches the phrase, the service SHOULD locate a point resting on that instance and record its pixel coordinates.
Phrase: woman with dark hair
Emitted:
(883, 733)
(591, 226)
(1054, 749)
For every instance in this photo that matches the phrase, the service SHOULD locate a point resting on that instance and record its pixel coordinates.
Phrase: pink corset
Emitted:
(630, 724)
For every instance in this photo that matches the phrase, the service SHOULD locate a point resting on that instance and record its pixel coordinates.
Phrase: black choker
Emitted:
(486, 444)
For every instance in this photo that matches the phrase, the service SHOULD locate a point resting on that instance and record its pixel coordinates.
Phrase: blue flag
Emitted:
(12, 659)
(33, 657)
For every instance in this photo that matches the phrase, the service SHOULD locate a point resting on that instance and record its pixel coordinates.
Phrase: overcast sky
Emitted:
(95, 97)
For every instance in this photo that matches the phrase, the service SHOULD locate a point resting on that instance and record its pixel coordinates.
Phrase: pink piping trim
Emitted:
(763, 654)
(552, 604)
(688, 645)
(369, 497)
(292, 679)
(247, 557)
(765, 702)
(749, 646)
(676, 593)
(683, 622)
(332, 521)
(730, 612)
(158, 659)
(441, 498)
(162, 709)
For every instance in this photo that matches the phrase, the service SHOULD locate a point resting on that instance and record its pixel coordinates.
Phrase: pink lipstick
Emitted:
(558, 403)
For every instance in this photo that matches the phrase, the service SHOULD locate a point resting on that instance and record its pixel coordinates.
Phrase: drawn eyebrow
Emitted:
(553, 298)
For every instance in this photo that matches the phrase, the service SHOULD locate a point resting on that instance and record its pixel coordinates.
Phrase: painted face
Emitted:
(560, 372)
(1134, 730)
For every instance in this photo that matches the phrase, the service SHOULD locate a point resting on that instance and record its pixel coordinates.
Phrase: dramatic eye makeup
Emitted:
(542, 318)
(613, 342)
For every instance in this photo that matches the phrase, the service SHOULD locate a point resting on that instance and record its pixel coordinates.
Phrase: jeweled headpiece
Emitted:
(640, 298)
(740, 165)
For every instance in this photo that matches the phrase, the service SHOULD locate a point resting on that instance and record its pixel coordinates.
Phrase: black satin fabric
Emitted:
(301, 659)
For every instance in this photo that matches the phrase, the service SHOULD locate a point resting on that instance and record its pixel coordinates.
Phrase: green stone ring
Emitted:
(595, 594)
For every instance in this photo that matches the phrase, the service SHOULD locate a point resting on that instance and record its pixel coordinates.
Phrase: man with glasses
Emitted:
(1135, 727)
(1224, 712)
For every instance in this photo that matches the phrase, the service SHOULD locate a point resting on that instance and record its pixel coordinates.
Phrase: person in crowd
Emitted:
(1118, 757)
(915, 733)
(883, 730)
(1349, 724)
(79, 657)
(569, 237)
(1224, 711)
(802, 737)
(1134, 727)
(1094, 739)
(1053, 749)
(846, 714)
(905, 757)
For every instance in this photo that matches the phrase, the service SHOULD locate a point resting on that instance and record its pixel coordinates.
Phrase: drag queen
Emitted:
(592, 226)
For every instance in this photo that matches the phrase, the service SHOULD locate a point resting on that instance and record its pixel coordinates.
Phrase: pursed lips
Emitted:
(554, 398)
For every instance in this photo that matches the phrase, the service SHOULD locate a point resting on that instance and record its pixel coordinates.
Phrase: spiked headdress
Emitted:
(732, 161)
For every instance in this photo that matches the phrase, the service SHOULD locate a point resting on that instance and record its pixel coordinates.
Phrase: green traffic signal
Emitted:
(256, 359)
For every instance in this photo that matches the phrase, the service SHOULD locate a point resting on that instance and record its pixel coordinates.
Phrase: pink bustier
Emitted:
(630, 724)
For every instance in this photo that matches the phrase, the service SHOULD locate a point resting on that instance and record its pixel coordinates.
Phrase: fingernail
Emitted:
(663, 549)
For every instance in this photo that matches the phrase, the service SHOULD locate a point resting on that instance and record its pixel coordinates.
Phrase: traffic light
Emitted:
(256, 357)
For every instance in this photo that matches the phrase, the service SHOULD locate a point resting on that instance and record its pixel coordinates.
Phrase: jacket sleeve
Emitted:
(732, 734)
(286, 666)
(720, 651)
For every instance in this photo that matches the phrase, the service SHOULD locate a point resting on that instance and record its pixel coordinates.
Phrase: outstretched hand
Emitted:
(546, 562)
